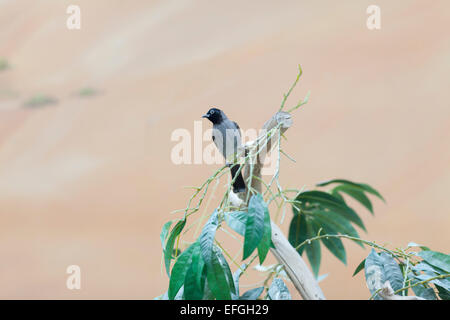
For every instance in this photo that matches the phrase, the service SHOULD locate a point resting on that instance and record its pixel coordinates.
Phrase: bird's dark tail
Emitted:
(239, 184)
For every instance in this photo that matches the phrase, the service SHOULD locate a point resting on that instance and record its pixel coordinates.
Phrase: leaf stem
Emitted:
(442, 276)
(285, 96)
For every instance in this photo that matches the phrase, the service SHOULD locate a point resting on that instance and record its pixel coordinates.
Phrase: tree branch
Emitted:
(284, 252)
(387, 293)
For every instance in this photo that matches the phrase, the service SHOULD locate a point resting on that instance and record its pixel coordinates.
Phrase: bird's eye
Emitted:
(211, 112)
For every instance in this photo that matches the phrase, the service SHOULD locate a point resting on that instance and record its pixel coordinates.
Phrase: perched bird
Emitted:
(227, 138)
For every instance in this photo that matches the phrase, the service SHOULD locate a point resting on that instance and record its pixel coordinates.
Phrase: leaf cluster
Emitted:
(327, 212)
(426, 272)
(202, 271)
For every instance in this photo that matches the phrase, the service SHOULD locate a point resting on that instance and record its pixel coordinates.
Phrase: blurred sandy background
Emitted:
(89, 181)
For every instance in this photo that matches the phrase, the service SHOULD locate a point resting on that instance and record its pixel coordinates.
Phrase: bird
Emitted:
(227, 138)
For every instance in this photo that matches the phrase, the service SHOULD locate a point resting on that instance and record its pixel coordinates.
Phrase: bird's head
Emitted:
(214, 115)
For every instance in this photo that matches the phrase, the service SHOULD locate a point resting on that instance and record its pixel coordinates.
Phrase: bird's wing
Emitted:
(239, 129)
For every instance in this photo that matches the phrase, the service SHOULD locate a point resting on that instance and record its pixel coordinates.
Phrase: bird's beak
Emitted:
(205, 116)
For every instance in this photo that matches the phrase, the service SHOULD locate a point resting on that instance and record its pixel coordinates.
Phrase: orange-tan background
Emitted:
(89, 181)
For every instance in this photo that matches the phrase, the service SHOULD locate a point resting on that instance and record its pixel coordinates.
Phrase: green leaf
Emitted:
(423, 291)
(374, 274)
(254, 226)
(236, 220)
(236, 275)
(165, 232)
(266, 241)
(335, 245)
(207, 237)
(437, 259)
(218, 275)
(359, 267)
(356, 194)
(313, 249)
(429, 278)
(194, 281)
(380, 268)
(432, 271)
(278, 290)
(207, 294)
(168, 251)
(443, 283)
(362, 186)
(392, 271)
(336, 194)
(228, 274)
(443, 294)
(216, 272)
(336, 222)
(252, 294)
(179, 270)
(333, 204)
(427, 268)
(413, 244)
(297, 232)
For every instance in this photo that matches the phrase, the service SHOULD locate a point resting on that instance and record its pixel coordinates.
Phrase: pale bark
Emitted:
(387, 293)
(284, 252)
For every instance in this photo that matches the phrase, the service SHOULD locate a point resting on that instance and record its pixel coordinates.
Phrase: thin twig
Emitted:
(300, 72)
(442, 276)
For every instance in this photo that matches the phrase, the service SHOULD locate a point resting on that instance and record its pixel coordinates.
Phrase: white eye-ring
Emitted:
(211, 112)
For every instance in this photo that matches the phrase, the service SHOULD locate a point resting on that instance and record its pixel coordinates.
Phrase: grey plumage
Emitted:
(227, 138)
